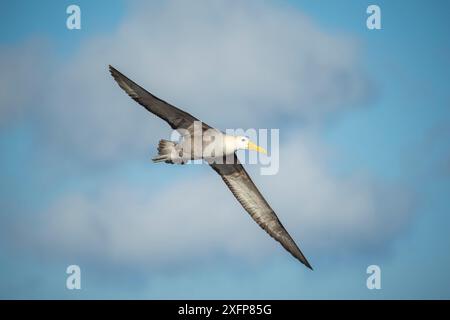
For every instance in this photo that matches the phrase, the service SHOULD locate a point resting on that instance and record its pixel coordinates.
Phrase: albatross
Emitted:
(223, 148)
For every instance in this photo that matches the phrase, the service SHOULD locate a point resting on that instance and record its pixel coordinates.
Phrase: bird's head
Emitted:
(244, 143)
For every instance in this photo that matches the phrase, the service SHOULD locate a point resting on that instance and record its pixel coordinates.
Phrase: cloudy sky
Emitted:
(364, 173)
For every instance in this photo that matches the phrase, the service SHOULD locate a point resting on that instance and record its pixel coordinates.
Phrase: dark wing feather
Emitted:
(175, 117)
(245, 191)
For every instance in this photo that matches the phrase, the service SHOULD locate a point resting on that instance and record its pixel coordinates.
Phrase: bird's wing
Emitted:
(245, 191)
(175, 117)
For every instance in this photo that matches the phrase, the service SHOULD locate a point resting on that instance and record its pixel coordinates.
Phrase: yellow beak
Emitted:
(252, 146)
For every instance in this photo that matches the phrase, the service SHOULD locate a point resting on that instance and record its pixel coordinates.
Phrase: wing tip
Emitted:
(306, 263)
(114, 72)
(303, 260)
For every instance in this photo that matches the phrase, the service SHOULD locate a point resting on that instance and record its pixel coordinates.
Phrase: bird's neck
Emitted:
(230, 144)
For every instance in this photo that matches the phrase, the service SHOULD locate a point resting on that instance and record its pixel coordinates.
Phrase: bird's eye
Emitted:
(243, 140)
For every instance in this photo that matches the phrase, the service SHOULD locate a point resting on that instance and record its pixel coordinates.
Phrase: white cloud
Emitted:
(233, 64)
(333, 211)
(198, 218)
(22, 68)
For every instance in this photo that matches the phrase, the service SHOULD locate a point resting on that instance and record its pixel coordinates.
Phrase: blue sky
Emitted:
(379, 139)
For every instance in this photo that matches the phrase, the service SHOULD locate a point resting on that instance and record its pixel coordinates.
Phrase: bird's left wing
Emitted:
(175, 117)
(245, 191)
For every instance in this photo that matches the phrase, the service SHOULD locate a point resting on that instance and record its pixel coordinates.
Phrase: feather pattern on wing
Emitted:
(175, 117)
(245, 191)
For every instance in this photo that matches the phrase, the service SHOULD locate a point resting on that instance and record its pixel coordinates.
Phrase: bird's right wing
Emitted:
(175, 117)
(245, 191)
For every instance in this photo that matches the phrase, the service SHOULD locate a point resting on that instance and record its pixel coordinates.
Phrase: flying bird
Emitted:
(222, 146)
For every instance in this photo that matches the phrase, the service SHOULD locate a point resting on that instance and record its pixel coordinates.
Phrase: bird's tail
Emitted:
(165, 149)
